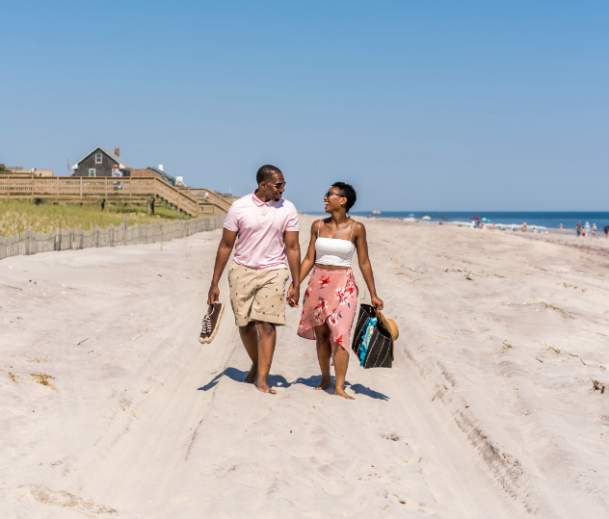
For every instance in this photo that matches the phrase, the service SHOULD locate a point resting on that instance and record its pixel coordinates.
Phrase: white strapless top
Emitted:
(334, 251)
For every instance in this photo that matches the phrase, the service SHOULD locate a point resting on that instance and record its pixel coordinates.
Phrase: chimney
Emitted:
(117, 151)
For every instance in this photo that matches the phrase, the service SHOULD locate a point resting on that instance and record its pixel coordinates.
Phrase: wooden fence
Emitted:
(123, 188)
(206, 196)
(62, 239)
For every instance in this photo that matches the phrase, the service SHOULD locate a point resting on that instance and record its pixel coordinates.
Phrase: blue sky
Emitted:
(421, 105)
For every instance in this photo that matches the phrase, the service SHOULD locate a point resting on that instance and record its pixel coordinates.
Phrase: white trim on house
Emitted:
(92, 172)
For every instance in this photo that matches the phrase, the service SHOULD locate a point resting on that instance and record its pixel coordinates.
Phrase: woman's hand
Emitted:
(377, 302)
(293, 295)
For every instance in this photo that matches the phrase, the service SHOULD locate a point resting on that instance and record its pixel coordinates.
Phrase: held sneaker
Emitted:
(211, 320)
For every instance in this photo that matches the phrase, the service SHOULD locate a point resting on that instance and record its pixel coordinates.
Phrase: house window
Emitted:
(92, 172)
(98, 157)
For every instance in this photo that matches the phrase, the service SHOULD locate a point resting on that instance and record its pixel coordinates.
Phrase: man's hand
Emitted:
(213, 295)
(293, 295)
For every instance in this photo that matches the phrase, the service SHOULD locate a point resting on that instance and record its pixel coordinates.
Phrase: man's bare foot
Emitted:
(342, 393)
(251, 375)
(265, 389)
(324, 384)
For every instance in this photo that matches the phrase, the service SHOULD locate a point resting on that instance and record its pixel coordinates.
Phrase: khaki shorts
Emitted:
(257, 295)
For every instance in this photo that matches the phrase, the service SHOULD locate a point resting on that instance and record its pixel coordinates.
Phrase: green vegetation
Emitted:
(19, 216)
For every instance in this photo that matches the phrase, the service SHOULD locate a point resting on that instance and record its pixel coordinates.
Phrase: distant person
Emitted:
(330, 300)
(265, 229)
(606, 231)
(594, 229)
(578, 229)
(587, 229)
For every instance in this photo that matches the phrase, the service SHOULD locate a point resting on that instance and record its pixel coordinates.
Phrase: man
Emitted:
(265, 228)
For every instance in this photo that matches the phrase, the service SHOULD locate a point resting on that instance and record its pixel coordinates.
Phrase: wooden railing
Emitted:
(106, 187)
(205, 196)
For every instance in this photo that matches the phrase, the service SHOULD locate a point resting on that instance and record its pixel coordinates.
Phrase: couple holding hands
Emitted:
(262, 227)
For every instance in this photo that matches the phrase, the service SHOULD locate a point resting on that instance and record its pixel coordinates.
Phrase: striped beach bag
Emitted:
(372, 343)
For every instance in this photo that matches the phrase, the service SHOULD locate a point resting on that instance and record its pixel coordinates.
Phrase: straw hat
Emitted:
(389, 324)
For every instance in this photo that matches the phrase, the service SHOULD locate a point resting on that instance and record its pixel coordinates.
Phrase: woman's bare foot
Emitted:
(265, 389)
(324, 384)
(342, 393)
(251, 375)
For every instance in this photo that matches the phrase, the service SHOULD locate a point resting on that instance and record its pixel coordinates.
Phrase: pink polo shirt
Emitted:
(260, 227)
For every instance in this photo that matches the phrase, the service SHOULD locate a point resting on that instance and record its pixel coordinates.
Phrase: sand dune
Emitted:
(494, 409)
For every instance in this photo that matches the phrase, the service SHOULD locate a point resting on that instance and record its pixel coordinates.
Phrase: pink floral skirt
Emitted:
(330, 297)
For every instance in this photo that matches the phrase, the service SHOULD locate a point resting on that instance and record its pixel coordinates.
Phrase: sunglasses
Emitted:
(279, 185)
(330, 193)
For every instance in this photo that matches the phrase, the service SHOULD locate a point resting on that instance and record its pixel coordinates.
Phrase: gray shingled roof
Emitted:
(111, 155)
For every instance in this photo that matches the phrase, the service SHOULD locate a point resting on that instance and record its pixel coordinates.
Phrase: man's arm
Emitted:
(292, 249)
(225, 247)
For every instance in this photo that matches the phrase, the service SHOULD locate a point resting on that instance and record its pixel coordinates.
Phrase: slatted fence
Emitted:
(67, 239)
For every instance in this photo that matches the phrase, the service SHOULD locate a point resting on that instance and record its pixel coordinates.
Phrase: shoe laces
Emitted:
(206, 323)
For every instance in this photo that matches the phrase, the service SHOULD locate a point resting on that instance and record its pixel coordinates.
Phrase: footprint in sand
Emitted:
(391, 436)
(64, 499)
(43, 379)
(411, 504)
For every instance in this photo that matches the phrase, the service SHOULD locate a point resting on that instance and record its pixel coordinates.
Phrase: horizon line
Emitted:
(470, 211)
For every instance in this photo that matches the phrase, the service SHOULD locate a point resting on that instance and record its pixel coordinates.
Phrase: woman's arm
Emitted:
(309, 259)
(361, 244)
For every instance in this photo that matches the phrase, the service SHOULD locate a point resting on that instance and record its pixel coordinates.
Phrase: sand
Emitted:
(494, 408)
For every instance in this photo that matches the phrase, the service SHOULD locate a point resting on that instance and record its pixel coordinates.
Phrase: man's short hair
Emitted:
(347, 191)
(266, 172)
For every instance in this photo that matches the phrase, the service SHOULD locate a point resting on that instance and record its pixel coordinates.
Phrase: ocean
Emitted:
(549, 219)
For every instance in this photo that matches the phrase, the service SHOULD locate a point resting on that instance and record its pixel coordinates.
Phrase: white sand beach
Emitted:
(494, 408)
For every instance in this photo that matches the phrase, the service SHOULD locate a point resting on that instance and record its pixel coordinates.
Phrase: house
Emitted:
(32, 172)
(158, 172)
(101, 163)
(18, 171)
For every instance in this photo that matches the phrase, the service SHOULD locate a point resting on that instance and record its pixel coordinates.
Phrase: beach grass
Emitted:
(17, 217)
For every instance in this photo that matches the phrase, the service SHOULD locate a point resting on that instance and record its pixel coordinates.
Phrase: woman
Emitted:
(330, 300)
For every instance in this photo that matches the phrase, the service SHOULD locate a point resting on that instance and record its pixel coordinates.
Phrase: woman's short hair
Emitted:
(266, 172)
(348, 192)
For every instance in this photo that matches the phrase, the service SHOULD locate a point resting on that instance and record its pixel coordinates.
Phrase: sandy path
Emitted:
(489, 411)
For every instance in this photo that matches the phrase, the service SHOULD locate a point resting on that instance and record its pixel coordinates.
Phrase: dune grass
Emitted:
(19, 216)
